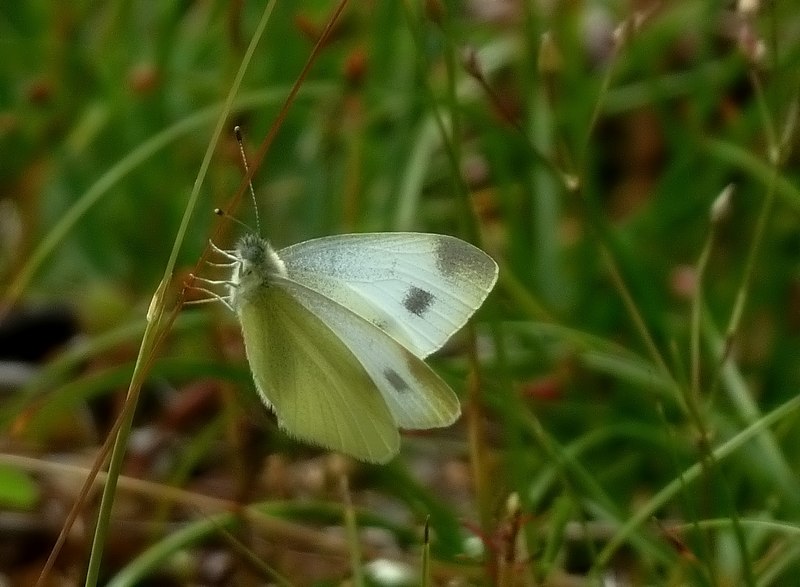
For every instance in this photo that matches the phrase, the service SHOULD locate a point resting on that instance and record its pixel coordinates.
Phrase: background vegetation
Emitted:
(630, 388)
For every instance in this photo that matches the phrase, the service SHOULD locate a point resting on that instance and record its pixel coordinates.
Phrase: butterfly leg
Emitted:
(223, 252)
(215, 297)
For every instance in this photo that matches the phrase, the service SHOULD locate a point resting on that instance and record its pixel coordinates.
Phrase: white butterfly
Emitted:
(336, 328)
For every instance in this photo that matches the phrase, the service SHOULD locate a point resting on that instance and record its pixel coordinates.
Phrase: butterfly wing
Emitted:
(419, 288)
(317, 388)
(415, 395)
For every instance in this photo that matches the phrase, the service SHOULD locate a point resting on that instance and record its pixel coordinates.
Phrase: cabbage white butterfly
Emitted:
(335, 330)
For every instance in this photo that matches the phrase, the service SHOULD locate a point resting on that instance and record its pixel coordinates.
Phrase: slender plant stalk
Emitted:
(351, 527)
(595, 217)
(152, 332)
(426, 555)
(750, 264)
(773, 147)
(693, 397)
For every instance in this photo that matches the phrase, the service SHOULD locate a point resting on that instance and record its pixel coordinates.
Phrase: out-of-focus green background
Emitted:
(631, 382)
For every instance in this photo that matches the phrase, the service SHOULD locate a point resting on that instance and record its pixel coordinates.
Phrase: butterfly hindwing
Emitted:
(419, 288)
(415, 395)
(317, 388)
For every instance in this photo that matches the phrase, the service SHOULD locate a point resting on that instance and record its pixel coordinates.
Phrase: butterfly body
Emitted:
(336, 328)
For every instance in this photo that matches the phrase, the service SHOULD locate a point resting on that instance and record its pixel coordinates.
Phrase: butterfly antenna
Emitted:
(237, 130)
(223, 214)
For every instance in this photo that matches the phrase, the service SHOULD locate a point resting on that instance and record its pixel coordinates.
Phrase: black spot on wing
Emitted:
(395, 380)
(417, 301)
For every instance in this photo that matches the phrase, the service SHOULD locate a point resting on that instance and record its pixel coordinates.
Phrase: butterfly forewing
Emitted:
(317, 388)
(416, 396)
(418, 288)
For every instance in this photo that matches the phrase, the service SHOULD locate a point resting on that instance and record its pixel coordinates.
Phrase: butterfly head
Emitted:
(258, 264)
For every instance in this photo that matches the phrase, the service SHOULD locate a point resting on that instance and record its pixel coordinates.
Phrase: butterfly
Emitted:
(336, 330)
